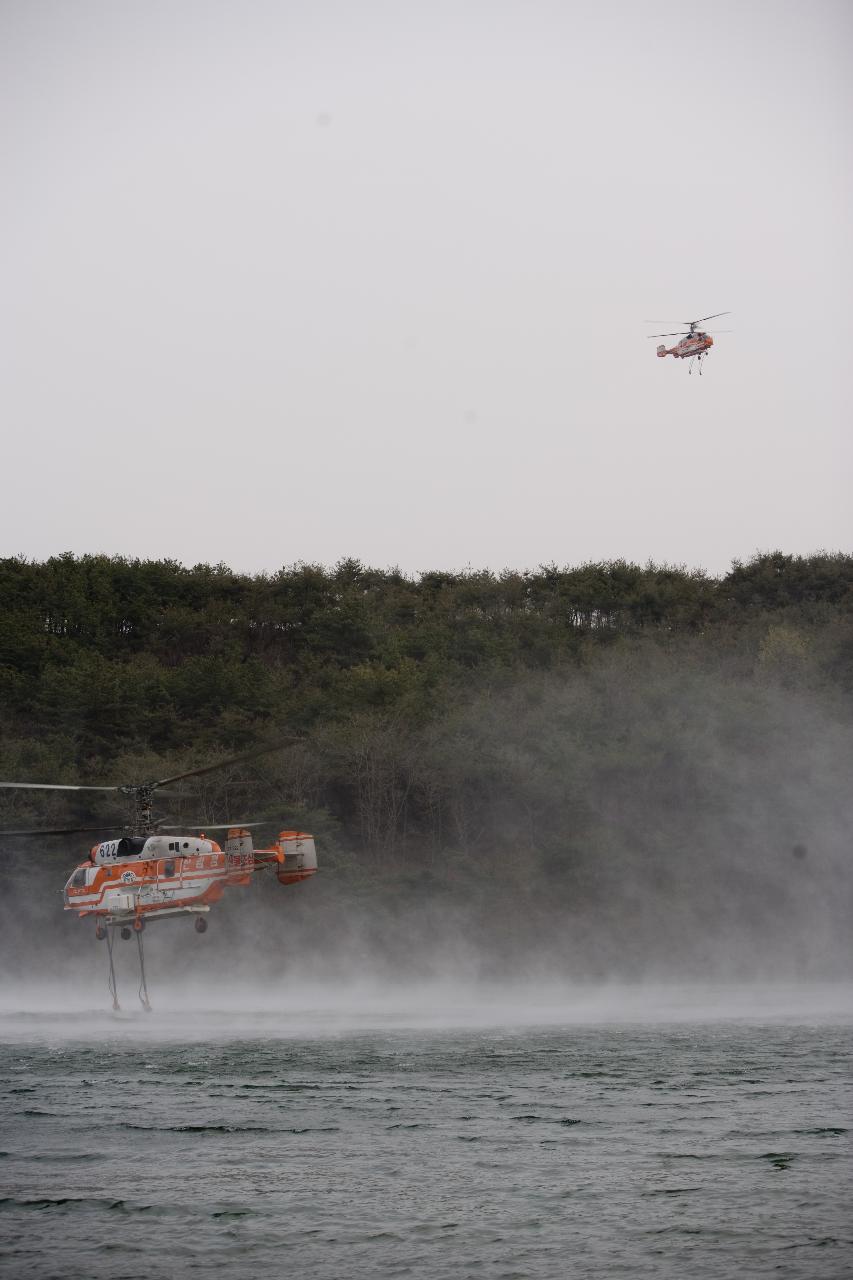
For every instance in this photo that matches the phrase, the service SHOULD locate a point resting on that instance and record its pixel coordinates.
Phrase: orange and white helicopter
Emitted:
(695, 342)
(153, 873)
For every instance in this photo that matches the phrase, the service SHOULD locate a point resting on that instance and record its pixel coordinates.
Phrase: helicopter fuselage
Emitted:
(134, 879)
(696, 344)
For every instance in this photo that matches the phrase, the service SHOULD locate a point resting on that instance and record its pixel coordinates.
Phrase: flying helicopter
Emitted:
(156, 870)
(695, 342)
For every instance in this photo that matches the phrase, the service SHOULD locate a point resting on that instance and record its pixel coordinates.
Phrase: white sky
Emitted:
(293, 281)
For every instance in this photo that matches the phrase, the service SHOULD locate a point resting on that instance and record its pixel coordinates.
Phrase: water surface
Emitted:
(426, 1136)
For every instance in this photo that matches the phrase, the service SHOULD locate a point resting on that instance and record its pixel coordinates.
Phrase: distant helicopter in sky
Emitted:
(695, 342)
(156, 869)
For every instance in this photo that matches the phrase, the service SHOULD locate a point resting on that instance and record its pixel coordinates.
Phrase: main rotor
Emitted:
(692, 325)
(141, 794)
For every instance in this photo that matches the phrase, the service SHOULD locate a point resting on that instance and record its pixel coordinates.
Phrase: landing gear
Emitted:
(100, 931)
(139, 924)
(126, 933)
(200, 924)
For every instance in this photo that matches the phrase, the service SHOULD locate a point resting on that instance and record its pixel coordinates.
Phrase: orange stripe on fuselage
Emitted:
(206, 867)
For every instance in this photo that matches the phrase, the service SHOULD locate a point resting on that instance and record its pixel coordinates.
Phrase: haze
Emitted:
(288, 282)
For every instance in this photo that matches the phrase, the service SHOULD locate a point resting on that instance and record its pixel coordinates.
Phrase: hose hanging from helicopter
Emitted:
(113, 988)
(143, 985)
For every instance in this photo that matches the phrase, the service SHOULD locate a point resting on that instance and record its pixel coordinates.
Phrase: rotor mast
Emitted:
(142, 796)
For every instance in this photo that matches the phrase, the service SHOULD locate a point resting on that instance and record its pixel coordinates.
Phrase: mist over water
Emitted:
(642, 819)
(216, 1011)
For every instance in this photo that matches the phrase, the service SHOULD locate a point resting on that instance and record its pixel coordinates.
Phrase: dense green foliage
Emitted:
(586, 730)
(119, 653)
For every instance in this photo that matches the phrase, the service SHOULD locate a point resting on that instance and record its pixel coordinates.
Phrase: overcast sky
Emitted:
(298, 281)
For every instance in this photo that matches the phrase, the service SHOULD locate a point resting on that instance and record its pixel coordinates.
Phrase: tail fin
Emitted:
(661, 350)
(300, 857)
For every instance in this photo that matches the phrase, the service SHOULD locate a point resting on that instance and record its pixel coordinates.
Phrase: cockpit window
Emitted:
(78, 880)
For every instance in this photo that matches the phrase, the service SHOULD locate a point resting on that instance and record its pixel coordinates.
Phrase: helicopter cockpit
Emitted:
(81, 878)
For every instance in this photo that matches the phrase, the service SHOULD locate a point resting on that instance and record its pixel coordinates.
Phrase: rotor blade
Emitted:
(54, 786)
(667, 335)
(210, 826)
(61, 831)
(715, 316)
(64, 786)
(222, 764)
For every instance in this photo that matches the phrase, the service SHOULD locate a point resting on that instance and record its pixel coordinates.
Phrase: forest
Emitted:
(616, 764)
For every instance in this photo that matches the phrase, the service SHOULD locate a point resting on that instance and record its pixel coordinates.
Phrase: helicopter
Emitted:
(157, 870)
(695, 342)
